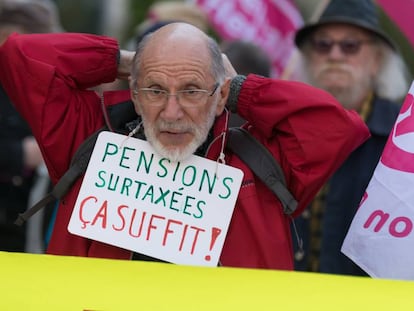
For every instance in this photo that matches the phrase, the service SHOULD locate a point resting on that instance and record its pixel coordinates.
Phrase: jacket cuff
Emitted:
(235, 87)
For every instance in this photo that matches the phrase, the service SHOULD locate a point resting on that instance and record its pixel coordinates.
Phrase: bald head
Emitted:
(178, 87)
(178, 43)
(179, 31)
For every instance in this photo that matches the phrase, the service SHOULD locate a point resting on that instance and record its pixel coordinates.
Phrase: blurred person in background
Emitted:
(246, 57)
(21, 162)
(347, 54)
(159, 14)
(162, 13)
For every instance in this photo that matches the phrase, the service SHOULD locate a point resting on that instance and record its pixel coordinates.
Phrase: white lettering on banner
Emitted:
(132, 198)
(220, 16)
(257, 10)
(268, 23)
(237, 26)
(236, 23)
(212, 5)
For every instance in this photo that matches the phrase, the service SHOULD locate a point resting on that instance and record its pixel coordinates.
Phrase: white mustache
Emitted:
(175, 126)
(341, 67)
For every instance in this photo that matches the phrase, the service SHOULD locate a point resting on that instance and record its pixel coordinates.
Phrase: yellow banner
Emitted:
(58, 283)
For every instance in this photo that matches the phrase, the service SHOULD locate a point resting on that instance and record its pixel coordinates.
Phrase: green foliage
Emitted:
(80, 16)
(138, 10)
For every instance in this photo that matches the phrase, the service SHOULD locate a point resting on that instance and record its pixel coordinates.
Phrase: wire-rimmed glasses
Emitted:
(186, 98)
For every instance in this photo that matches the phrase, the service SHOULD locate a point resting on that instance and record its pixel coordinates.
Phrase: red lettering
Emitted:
(168, 230)
(175, 233)
(408, 227)
(195, 238)
(140, 226)
(152, 226)
(85, 222)
(183, 238)
(399, 227)
(383, 217)
(103, 214)
(121, 216)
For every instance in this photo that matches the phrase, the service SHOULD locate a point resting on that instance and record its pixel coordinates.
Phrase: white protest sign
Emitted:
(134, 199)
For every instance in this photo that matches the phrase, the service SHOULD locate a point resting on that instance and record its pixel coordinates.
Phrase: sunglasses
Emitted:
(347, 46)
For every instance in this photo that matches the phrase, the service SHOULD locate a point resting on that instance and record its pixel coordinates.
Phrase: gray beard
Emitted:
(351, 98)
(175, 155)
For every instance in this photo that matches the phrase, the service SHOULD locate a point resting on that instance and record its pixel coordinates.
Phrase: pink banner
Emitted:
(401, 12)
(271, 24)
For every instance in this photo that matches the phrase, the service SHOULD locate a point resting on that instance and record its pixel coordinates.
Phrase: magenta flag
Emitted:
(401, 13)
(381, 237)
(270, 24)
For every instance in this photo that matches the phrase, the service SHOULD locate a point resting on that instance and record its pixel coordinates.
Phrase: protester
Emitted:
(304, 128)
(20, 157)
(347, 54)
(246, 57)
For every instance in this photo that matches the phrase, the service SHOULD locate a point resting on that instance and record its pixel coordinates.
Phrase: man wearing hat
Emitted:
(347, 54)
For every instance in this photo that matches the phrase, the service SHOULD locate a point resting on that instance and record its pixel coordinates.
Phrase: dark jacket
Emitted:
(346, 188)
(15, 181)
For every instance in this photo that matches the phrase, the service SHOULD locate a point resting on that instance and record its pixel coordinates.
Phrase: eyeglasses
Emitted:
(186, 98)
(347, 46)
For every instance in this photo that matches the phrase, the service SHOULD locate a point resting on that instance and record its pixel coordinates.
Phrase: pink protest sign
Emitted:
(270, 24)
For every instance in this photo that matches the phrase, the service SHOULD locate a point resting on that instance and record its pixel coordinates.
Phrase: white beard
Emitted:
(176, 154)
(350, 97)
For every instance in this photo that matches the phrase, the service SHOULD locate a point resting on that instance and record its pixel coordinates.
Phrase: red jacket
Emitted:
(47, 76)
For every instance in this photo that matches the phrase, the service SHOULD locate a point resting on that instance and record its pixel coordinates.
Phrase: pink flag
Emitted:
(270, 24)
(381, 238)
(401, 12)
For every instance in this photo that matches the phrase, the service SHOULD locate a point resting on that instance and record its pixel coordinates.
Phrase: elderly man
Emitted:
(347, 54)
(180, 89)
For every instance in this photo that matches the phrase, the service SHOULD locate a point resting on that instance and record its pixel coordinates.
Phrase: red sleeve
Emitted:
(305, 128)
(46, 77)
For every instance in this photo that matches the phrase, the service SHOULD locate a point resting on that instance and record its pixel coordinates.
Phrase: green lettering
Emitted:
(192, 175)
(225, 196)
(100, 173)
(143, 159)
(126, 185)
(149, 193)
(162, 197)
(139, 183)
(176, 169)
(110, 149)
(205, 177)
(165, 171)
(187, 204)
(199, 209)
(124, 157)
(112, 186)
(173, 200)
